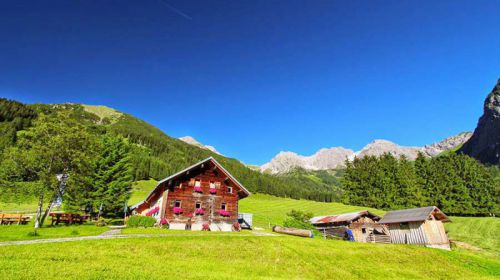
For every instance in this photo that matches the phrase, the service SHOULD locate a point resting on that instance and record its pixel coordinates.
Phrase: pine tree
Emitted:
(112, 178)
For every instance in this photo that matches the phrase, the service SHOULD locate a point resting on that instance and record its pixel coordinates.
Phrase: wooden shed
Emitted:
(362, 225)
(419, 226)
(202, 195)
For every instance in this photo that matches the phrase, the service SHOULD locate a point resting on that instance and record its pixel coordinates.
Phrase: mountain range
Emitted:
(332, 158)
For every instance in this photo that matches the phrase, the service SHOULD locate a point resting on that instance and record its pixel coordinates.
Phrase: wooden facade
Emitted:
(203, 194)
(419, 226)
(362, 226)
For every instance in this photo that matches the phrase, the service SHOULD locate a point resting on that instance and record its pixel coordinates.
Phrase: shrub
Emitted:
(74, 232)
(141, 221)
(101, 222)
(298, 219)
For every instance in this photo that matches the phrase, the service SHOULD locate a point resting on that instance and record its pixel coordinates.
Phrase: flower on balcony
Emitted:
(163, 221)
(200, 211)
(206, 227)
(213, 190)
(198, 189)
(153, 211)
(177, 210)
(224, 213)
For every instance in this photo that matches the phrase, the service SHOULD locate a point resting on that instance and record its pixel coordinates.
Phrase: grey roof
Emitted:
(413, 215)
(189, 168)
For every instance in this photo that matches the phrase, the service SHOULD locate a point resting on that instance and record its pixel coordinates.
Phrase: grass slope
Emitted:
(477, 231)
(24, 232)
(140, 190)
(237, 257)
(267, 209)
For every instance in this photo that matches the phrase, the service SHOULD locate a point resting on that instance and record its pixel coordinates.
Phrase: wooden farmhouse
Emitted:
(419, 226)
(202, 195)
(358, 226)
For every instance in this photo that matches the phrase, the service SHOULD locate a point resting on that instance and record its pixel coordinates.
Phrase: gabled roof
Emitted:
(338, 218)
(413, 215)
(171, 177)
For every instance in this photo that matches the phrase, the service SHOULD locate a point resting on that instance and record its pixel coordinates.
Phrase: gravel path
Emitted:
(116, 234)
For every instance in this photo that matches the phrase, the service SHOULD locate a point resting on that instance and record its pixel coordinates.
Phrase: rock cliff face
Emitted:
(447, 144)
(335, 157)
(484, 144)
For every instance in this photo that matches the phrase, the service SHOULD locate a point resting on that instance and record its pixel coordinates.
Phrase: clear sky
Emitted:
(253, 78)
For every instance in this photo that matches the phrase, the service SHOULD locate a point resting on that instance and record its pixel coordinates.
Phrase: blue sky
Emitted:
(253, 78)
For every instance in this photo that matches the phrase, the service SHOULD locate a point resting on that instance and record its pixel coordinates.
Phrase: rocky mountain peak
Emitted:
(190, 140)
(484, 144)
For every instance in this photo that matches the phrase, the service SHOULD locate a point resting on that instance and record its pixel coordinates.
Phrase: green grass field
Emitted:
(237, 257)
(477, 231)
(267, 209)
(140, 190)
(184, 255)
(25, 232)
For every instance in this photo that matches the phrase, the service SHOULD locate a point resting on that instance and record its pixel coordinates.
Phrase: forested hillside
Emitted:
(150, 153)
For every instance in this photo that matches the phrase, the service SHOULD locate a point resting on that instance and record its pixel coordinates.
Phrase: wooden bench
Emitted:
(8, 219)
(67, 218)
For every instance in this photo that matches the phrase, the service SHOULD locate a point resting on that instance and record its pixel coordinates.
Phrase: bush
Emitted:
(298, 219)
(141, 221)
(101, 222)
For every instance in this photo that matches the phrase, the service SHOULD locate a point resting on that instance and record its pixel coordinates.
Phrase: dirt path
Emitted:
(116, 234)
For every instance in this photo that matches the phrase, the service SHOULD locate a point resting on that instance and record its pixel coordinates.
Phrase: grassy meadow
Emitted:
(25, 232)
(481, 232)
(216, 255)
(238, 257)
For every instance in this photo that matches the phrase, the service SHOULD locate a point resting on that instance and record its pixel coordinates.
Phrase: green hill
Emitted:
(154, 154)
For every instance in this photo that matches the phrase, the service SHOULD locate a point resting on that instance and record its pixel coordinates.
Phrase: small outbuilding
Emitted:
(418, 226)
(359, 226)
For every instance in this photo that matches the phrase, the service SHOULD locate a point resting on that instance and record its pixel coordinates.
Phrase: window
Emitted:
(197, 183)
(177, 203)
(198, 205)
(223, 206)
(230, 189)
(405, 226)
(212, 184)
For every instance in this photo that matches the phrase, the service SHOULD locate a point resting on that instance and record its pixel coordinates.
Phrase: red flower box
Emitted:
(213, 191)
(153, 211)
(224, 213)
(200, 211)
(163, 221)
(177, 210)
(198, 189)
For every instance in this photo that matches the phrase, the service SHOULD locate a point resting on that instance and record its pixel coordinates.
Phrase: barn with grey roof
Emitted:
(418, 226)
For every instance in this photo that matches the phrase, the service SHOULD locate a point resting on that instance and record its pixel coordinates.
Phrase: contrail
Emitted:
(175, 10)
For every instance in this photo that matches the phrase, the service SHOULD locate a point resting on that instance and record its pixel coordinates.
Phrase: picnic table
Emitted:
(8, 219)
(67, 218)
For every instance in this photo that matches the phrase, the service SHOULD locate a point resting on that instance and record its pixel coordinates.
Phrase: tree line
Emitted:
(457, 184)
